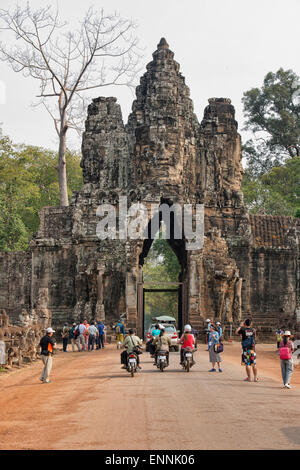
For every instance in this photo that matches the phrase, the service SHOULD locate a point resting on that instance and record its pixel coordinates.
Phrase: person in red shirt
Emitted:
(187, 340)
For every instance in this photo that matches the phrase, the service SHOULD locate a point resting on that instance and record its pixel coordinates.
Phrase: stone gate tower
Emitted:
(248, 265)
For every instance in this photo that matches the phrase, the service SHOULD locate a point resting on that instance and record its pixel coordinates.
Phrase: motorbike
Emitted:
(132, 363)
(162, 360)
(188, 359)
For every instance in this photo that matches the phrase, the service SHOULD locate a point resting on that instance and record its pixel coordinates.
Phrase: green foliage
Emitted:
(271, 183)
(273, 113)
(277, 192)
(161, 265)
(28, 182)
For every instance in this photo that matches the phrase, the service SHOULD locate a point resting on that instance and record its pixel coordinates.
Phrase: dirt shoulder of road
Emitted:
(267, 361)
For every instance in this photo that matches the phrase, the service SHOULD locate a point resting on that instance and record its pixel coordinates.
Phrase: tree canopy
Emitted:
(271, 183)
(28, 182)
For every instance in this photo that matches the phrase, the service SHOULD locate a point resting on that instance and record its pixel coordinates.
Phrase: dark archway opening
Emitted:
(166, 282)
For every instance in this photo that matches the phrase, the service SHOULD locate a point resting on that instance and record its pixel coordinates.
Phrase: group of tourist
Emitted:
(87, 336)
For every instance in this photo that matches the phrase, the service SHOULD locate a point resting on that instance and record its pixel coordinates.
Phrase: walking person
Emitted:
(72, 336)
(47, 345)
(93, 334)
(101, 337)
(195, 333)
(248, 348)
(214, 357)
(65, 336)
(286, 358)
(219, 330)
(120, 333)
(80, 329)
(207, 332)
(279, 337)
(86, 334)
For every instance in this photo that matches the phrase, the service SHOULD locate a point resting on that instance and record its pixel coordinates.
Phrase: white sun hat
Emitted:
(49, 330)
(207, 320)
(287, 333)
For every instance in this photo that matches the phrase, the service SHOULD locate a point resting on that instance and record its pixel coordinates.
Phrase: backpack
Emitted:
(285, 353)
(118, 329)
(76, 332)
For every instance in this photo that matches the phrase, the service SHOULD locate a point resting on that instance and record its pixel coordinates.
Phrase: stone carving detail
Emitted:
(249, 265)
(21, 343)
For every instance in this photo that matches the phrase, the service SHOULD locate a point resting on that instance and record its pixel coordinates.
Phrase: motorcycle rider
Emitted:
(131, 341)
(162, 343)
(187, 340)
(154, 334)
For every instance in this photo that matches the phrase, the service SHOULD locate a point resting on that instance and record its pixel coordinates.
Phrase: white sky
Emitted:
(224, 47)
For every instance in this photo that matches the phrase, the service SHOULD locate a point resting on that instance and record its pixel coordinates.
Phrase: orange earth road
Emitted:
(93, 404)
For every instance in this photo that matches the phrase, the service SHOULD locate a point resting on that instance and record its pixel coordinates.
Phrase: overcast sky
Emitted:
(224, 47)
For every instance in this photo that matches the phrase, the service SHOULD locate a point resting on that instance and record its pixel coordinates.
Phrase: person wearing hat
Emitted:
(214, 357)
(207, 332)
(47, 345)
(219, 329)
(286, 349)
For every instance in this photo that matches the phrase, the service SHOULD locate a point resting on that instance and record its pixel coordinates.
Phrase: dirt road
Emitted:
(93, 404)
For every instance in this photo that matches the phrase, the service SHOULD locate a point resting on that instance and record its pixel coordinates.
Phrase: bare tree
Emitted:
(101, 52)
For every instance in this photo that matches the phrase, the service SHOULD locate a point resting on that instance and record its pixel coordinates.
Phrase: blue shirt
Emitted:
(214, 338)
(155, 332)
(122, 328)
(101, 328)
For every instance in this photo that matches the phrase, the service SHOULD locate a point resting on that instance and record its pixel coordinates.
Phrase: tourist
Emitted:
(248, 348)
(81, 336)
(47, 345)
(92, 336)
(86, 334)
(101, 336)
(219, 330)
(195, 333)
(72, 336)
(214, 356)
(130, 343)
(207, 332)
(65, 336)
(286, 358)
(120, 333)
(279, 334)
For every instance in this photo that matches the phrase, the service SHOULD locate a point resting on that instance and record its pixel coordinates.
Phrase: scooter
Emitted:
(188, 359)
(132, 364)
(162, 360)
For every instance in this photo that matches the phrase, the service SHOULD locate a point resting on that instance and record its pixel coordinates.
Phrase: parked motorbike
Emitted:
(162, 360)
(132, 363)
(188, 359)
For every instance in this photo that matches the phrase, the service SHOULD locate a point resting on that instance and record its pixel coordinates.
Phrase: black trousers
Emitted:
(65, 344)
(100, 341)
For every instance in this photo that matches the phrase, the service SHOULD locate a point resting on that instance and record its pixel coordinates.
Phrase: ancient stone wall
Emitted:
(21, 340)
(248, 266)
